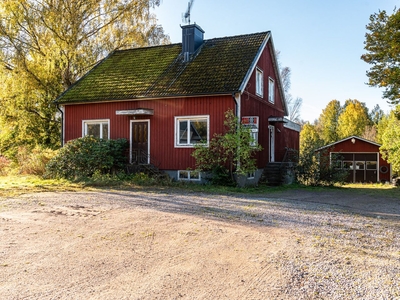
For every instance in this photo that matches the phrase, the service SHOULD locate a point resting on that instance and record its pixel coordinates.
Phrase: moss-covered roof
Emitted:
(219, 67)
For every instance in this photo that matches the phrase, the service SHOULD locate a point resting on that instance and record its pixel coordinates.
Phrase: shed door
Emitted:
(140, 142)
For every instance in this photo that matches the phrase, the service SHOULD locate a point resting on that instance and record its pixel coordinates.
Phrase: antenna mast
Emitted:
(187, 13)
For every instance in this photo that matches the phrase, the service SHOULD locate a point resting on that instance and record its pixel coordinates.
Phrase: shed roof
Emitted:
(220, 66)
(346, 139)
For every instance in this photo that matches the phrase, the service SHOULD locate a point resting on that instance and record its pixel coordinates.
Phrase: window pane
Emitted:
(198, 131)
(183, 132)
(271, 91)
(183, 175)
(259, 82)
(359, 165)
(105, 131)
(371, 165)
(195, 175)
(348, 165)
(93, 129)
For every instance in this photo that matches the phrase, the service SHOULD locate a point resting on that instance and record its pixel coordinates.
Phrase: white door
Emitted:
(271, 143)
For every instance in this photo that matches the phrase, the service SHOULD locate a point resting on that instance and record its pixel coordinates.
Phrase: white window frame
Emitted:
(188, 119)
(94, 122)
(189, 175)
(259, 82)
(271, 90)
(254, 128)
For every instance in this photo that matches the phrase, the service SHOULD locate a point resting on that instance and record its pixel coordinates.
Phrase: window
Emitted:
(191, 130)
(96, 128)
(252, 123)
(251, 175)
(271, 90)
(259, 82)
(189, 175)
(371, 165)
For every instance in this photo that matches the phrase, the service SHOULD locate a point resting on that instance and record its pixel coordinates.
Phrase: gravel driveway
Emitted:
(296, 244)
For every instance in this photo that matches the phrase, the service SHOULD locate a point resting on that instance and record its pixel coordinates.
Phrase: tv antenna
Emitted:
(186, 16)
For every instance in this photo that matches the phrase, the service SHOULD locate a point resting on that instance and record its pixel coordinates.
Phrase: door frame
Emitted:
(271, 142)
(148, 138)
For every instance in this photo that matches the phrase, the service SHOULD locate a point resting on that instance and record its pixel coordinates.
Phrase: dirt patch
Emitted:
(136, 245)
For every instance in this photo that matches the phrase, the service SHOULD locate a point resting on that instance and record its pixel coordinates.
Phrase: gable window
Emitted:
(252, 124)
(271, 90)
(96, 128)
(259, 82)
(191, 130)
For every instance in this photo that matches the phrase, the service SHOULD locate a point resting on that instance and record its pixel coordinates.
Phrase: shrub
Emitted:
(4, 165)
(33, 161)
(86, 156)
(229, 154)
(317, 170)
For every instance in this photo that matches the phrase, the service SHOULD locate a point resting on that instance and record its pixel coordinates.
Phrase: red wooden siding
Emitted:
(162, 123)
(253, 105)
(361, 146)
(265, 63)
(162, 138)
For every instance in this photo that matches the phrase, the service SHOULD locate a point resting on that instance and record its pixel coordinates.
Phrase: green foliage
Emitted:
(390, 148)
(231, 151)
(328, 122)
(353, 120)
(383, 53)
(85, 156)
(314, 168)
(45, 46)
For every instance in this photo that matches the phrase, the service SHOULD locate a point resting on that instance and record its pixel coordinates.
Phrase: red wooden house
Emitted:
(361, 158)
(164, 99)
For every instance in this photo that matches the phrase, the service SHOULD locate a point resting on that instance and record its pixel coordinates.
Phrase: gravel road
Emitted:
(117, 244)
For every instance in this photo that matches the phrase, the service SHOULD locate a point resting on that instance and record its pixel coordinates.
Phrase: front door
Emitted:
(140, 150)
(271, 143)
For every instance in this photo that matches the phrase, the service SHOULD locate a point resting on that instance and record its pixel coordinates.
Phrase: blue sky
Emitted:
(320, 40)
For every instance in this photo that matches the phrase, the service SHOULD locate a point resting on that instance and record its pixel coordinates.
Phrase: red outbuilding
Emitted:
(360, 157)
(165, 99)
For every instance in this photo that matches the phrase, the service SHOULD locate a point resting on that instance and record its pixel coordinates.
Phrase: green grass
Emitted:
(17, 185)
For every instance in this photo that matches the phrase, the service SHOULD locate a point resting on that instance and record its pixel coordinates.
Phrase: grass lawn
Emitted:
(22, 184)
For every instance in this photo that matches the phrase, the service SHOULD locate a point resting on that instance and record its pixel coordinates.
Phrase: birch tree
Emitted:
(46, 45)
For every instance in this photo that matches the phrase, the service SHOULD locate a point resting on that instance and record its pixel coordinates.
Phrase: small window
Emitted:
(259, 82)
(191, 130)
(271, 90)
(252, 123)
(251, 175)
(189, 175)
(348, 165)
(96, 128)
(371, 165)
(360, 165)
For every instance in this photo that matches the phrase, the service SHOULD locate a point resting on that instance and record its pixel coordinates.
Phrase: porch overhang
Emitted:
(135, 112)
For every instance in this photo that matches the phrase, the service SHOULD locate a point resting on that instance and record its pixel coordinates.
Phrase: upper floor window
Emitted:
(271, 90)
(96, 128)
(191, 130)
(259, 82)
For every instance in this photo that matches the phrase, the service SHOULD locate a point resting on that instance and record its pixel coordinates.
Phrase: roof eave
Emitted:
(254, 63)
(141, 98)
(346, 139)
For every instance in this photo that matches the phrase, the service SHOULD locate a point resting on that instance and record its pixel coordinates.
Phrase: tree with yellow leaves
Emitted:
(45, 46)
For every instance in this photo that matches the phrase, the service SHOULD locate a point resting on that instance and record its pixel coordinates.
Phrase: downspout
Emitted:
(237, 98)
(62, 125)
